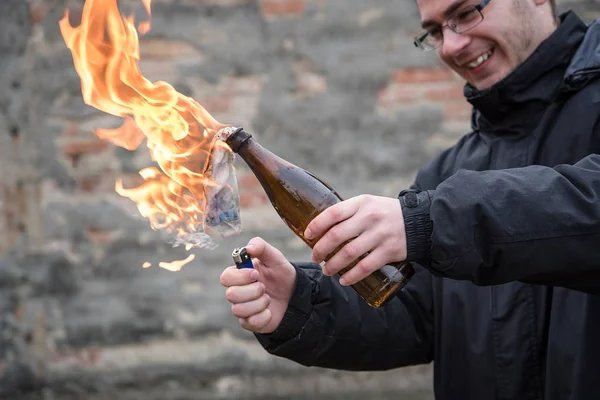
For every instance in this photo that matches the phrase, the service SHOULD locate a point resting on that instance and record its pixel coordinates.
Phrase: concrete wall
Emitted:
(334, 86)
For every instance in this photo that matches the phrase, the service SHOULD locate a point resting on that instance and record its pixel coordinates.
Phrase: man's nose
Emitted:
(453, 43)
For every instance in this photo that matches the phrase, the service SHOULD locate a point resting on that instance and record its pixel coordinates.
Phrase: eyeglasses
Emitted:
(459, 22)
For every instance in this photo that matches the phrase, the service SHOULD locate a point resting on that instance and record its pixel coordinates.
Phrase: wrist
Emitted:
(417, 224)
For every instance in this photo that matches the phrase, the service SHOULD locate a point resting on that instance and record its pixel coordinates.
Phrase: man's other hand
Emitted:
(260, 296)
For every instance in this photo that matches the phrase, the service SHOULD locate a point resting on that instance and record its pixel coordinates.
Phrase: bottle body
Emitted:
(298, 197)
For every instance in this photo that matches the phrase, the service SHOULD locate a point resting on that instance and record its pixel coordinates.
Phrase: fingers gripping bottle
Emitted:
(298, 197)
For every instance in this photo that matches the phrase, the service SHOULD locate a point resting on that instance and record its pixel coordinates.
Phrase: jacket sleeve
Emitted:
(534, 224)
(328, 325)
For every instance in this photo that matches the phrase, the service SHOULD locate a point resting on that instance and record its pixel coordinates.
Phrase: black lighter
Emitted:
(241, 258)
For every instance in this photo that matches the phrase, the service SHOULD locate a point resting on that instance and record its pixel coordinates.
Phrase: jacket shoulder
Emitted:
(443, 165)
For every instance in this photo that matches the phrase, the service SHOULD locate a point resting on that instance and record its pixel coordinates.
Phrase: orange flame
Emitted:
(178, 131)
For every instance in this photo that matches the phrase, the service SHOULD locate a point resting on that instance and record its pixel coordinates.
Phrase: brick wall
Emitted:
(334, 86)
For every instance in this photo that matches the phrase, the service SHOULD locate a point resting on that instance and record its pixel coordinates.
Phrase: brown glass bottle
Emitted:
(298, 197)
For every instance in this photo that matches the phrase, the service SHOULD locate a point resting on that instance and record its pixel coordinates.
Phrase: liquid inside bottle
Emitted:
(298, 197)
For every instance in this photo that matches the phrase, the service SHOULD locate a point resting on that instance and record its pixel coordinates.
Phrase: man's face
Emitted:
(491, 50)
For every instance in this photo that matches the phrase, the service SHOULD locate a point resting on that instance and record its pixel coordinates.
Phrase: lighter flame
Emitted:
(178, 131)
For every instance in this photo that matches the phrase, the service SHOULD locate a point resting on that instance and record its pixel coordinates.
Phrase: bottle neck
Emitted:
(237, 139)
(252, 152)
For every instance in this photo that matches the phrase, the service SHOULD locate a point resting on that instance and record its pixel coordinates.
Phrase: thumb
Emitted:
(264, 252)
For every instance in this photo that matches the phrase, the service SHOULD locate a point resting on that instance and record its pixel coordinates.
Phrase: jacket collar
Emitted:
(531, 86)
(585, 64)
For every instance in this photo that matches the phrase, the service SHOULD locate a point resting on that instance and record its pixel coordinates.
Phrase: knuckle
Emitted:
(255, 240)
(366, 198)
(374, 214)
(244, 324)
(335, 233)
(392, 251)
(314, 224)
(265, 302)
(317, 252)
(350, 251)
(263, 319)
(233, 294)
(262, 289)
(255, 320)
(336, 212)
(364, 267)
(235, 310)
(230, 294)
(224, 278)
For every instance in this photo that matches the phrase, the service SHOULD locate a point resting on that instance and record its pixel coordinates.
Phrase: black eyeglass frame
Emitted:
(420, 38)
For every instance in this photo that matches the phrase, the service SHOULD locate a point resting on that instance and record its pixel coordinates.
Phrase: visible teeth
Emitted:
(480, 59)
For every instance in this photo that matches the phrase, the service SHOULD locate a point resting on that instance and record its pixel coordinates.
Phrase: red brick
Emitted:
(83, 146)
(70, 130)
(85, 357)
(457, 110)
(309, 83)
(89, 184)
(216, 104)
(248, 182)
(37, 13)
(131, 181)
(252, 199)
(452, 92)
(159, 48)
(98, 235)
(396, 93)
(282, 7)
(423, 75)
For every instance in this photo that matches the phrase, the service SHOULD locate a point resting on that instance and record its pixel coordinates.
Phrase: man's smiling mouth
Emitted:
(477, 62)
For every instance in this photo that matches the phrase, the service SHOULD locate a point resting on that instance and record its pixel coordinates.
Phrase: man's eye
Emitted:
(466, 15)
(435, 33)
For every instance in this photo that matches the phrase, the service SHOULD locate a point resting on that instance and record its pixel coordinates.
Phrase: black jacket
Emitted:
(508, 259)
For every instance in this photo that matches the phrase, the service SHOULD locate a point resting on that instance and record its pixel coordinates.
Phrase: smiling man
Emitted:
(483, 54)
(502, 228)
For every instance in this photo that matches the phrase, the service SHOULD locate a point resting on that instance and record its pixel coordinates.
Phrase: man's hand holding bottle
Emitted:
(260, 296)
(372, 224)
